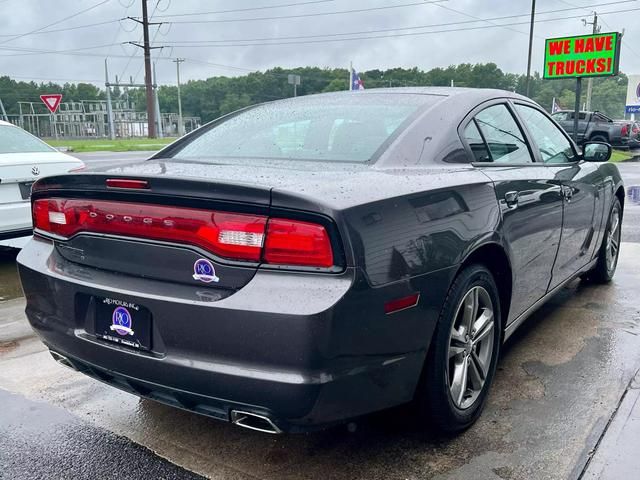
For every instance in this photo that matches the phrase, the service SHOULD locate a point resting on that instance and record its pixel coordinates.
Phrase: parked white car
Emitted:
(24, 159)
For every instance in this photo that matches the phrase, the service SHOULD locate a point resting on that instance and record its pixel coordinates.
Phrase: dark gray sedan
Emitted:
(304, 262)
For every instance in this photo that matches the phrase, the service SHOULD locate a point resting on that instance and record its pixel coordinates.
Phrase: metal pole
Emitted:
(112, 133)
(4, 112)
(590, 80)
(295, 89)
(157, 102)
(350, 76)
(533, 15)
(178, 61)
(576, 114)
(53, 125)
(151, 123)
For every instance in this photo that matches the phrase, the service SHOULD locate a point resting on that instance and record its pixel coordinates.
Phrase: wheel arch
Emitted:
(599, 133)
(494, 257)
(620, 194)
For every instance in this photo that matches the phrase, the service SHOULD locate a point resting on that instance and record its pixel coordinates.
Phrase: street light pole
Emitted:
(533, 15)
(178, 61)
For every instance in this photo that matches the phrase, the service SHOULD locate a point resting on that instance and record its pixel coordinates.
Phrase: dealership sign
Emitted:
(633, 94)
(582, 56)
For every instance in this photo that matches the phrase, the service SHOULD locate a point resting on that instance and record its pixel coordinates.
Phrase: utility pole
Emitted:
(151, 114)
(533, 15)
(178, 61)
(112, 133)
(596, 29)
(148, 79)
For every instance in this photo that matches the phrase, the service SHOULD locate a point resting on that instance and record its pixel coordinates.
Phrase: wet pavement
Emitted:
(9, 285)
(41, 441)
(630, 172)
(563, 387)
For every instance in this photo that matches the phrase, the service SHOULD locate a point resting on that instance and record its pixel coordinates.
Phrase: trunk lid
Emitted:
(19, 170)
(155, 258)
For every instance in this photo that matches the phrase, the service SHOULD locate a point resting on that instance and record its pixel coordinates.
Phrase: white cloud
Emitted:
(502, 46)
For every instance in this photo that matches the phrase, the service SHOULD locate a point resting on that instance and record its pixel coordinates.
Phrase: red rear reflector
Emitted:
(393, 306)
(230, 235)
(127, 183)
(291, 242)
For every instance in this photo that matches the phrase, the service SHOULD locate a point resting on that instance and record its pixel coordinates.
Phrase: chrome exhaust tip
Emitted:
(252, 421)
(62, 360)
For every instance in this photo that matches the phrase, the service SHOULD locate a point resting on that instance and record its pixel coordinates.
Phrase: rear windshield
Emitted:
(344, 128)
(16, 140)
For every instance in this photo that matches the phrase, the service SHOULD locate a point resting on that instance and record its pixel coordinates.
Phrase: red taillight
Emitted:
(625, 130)
(230, 235)
(291, 242)
(234, 236)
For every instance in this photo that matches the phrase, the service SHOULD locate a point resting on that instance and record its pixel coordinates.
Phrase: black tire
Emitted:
(605, 269)
(434, 399)
(599, 138)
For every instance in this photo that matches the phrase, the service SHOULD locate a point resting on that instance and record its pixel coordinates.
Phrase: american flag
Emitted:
(356, 81)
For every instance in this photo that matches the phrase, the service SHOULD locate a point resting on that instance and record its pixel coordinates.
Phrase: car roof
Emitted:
(468, 94)
(2, 122)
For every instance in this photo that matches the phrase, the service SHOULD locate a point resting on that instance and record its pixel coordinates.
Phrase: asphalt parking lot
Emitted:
(561, 380)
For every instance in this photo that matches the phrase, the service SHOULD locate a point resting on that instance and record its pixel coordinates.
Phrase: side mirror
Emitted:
(596, 152)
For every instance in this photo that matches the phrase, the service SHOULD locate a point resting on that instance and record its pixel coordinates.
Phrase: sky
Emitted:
(68, 40)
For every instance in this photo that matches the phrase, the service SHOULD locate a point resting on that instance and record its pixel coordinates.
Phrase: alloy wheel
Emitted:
(471, 345)
(613, 239)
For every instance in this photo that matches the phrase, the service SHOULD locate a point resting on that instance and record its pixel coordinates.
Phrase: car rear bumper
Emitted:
(15, 219)
(318, 354)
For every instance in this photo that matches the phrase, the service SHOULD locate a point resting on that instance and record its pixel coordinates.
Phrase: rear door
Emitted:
(529, 198)
(581, 186)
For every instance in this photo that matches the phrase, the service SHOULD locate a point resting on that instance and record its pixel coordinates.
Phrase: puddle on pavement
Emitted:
(9, 283)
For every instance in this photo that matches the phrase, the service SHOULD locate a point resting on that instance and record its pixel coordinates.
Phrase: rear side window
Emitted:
(503, 137)
(476, 142)
(16, 140)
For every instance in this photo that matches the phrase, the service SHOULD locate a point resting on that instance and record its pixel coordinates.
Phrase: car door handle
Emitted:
(511, 199)
(567, 193)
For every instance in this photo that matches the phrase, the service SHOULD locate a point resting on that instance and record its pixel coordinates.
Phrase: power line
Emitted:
(55, 23)
(305, 15)
(369, 31)
(78, 52)
(479, 19)
(251, 9)
(133, 54)
(370, 37)
(587, 8)
(35, 51)
(66, 29)
(115, 37)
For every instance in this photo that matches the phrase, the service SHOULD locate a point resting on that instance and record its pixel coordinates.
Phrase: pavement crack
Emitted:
(593, 450)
